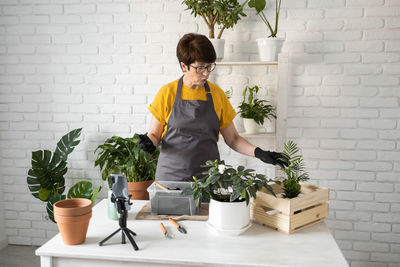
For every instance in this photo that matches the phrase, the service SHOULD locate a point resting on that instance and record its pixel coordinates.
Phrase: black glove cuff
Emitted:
(258, 152)
(146, 144)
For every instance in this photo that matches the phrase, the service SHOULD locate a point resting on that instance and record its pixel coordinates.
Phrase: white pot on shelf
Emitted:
(219, 46)
(250, 126)
(229, 218)
(269, 125)
(269, 48)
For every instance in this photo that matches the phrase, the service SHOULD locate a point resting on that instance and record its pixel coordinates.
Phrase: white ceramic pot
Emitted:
(250, 126)
(270, 125)
(219, 46)
(231, 218)
(269, 48)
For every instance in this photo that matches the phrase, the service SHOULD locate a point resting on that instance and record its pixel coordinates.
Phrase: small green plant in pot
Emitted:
(294, 172)
(46, 179)
(224, 13)
(229, 191)
(254, 111)
(123, 155)
(270, 46)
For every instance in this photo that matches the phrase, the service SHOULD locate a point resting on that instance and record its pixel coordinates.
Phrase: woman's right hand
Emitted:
(146, 144)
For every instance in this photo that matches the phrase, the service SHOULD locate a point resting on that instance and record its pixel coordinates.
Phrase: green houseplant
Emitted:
(123, 155)
(46, 179)
(254, 109)
(294, 172)
(224, 13)
(229, 191)
(268, 47)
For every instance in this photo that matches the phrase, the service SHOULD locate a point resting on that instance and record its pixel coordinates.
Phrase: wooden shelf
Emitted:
(258, 135)
(231, 63)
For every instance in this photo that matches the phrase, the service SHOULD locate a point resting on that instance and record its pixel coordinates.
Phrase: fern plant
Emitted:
(46, 176)
(295, 171)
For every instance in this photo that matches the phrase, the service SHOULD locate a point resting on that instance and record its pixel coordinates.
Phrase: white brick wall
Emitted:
(97, 65)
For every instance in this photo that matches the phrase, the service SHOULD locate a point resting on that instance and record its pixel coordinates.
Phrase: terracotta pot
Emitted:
(73, 229)
(138, 190)
(72, 217)
(72, 207)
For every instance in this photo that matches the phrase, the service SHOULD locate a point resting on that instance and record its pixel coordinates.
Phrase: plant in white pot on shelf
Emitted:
(268, 47)
(229, 191)
(254, 111)
(224, 13)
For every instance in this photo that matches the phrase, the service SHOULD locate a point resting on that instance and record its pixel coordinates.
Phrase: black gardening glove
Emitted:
(145, 144)
(271, 157)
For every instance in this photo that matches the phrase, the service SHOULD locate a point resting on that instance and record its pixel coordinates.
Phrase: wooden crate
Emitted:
(294, 214)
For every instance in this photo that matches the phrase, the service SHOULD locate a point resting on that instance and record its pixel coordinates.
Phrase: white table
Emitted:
(258, 246)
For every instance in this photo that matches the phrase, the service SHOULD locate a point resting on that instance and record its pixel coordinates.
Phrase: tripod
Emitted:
(122, 223)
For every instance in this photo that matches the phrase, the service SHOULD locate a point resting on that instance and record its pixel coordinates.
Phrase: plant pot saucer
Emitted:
(228, 232)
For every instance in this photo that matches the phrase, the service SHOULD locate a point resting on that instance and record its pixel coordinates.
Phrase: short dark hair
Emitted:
(195, 47)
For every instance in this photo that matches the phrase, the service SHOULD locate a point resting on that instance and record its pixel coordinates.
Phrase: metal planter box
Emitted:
(171, 201)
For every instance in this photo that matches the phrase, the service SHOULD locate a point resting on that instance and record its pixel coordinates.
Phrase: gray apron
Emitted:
(190, 140)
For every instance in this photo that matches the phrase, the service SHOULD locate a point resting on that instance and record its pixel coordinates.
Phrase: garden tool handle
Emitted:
(160, 186)
(173, 222)
(163, 228)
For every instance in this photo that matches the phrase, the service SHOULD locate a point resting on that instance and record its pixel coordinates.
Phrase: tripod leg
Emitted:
(123, 236)
(135, 247)
(108, 237)
(132, 232)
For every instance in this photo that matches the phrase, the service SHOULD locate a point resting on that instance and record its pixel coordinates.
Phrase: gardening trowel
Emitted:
(180, 228)
(164, 230)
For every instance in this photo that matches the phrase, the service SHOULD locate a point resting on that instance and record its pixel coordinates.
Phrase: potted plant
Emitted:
(254, 111)
(229, 191)
(224, 13)
(46, 182)
(295, 205)
(268, 47)
(123, 155)
(46, 176)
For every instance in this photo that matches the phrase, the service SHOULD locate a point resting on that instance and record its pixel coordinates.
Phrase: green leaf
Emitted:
(49, 206)
(46, 176)
(94, 195)
(44, 194)
(67, 143)
(82, 189)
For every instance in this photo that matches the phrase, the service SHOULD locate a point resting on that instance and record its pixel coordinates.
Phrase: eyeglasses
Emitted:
(202, 69)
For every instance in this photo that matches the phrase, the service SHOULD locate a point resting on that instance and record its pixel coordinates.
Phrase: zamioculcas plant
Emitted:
(46, 176)
(294, 172)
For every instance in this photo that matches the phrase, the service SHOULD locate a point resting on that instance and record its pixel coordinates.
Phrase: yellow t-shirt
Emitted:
(161, 107)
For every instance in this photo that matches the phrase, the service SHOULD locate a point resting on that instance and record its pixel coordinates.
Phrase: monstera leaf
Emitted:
(46, 177)
(67, 143)
(49, 207)
(83, 189)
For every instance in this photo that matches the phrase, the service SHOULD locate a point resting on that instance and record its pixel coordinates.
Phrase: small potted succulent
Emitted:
(224, 13)
(229, 191)
(270, 46)
(254, 111)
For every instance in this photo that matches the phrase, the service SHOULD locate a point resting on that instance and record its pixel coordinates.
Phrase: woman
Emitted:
(189, 114)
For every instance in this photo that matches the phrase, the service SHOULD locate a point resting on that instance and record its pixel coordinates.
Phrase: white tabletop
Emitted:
(258, 246)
